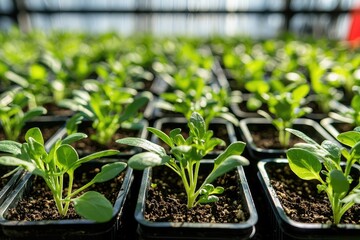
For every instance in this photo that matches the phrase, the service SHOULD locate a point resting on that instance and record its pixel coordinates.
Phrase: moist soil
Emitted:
(54, 110)
(343, 127)
(38, 203)
(166, 201)
(87, 145)
(301, 200)
(267, 137)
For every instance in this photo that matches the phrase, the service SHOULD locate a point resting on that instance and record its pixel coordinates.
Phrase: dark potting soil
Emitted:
(88, 145)
(343, 127)
(54, 110)
(266, 136)
(301, 200)
(166, 202)
(38, 203)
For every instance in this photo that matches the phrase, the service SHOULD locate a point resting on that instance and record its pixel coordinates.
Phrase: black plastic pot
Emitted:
(241, 113)
(186, 230)
(334, 126)
(66, 229)
(286, 228)
(313, 129)
(216, 125)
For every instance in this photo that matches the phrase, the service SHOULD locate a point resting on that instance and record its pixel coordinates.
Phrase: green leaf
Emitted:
(333, 149)
(36, 134)
(208, 199)
(134, 107)
(143, 143)
(226, 165)
(73, 138)
(198, 122)
(141, 161)
(339, 182)
(160, 134)
(349, 138)
(37, 150)
(66, 156)
(34, 112)
(174, 132)
(109, 171)
(104, 153)
(235, 148)
(182, 149)
(13, 161)
(300, 92)
(303, 136)
(304, 164)
(94, 206)
(9, 146)
(355, 150)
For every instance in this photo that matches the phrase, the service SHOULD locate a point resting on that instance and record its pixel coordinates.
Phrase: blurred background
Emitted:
(255, 18)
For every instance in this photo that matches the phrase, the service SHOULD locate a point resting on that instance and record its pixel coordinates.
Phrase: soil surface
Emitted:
(38, 203)
(301, 200)
(166, 202)
(343, 127)
(266, 136)
(87, 145)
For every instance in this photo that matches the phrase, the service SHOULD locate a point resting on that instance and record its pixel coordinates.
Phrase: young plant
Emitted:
(53, 164)
(286, 108)
(13, 117)
(108, 108)
(185, 158)
(321, 162)
(352, 114)
(201, 98)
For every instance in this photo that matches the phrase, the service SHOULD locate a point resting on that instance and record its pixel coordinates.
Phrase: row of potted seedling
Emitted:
(193, 91)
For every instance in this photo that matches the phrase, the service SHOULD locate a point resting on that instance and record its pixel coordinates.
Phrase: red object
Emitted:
(354, 30)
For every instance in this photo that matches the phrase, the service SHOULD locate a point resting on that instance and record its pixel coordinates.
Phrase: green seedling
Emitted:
(321, 162)
(185, 158)
(352, 114)
(58, 163)
(286, 108)
(13, 115)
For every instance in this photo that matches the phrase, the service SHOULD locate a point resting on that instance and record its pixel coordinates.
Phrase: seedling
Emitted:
(57, 162)
(352, 114)
(185, 158)
(286, 108)
(108, 108)
(311, 161)
(13, 117)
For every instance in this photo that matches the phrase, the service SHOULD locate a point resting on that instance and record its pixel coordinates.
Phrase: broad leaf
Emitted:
(109, 171)
(235, 148)
(198, 122)
(304, 164)
(66, 156)
(36, 134)
(143, 143)
(225, 166)
(141, 161)
(94, 206)
(34, 112)
(349, 138)
(339, 182)
(160, 134)
(9, 146)
(302, 135)
(73, 138)
(333, 150)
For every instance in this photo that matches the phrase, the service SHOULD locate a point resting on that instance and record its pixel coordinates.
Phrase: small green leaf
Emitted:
(36, 134)
(109, 171)
(94, 206)
(339, 182)
(355, 150)
(226, 165)
(66, 156)
(73, 138)
(104, 153)
(141, 161)
(174, 132)
(333, 149)
(134, 107)
(304, 164)
(303, 136)
(9, 146)
(182, 149)
(160, 134)
(13, 161)
(349, 138)
(235, 148)
(208, 199)
(198, 122)
(34, 112)
(36, 150)
(143, 143)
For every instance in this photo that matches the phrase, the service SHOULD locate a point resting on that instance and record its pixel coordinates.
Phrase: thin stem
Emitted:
(70, 185)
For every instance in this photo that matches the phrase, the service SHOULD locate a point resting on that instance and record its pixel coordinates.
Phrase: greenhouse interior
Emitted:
(164, 119)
